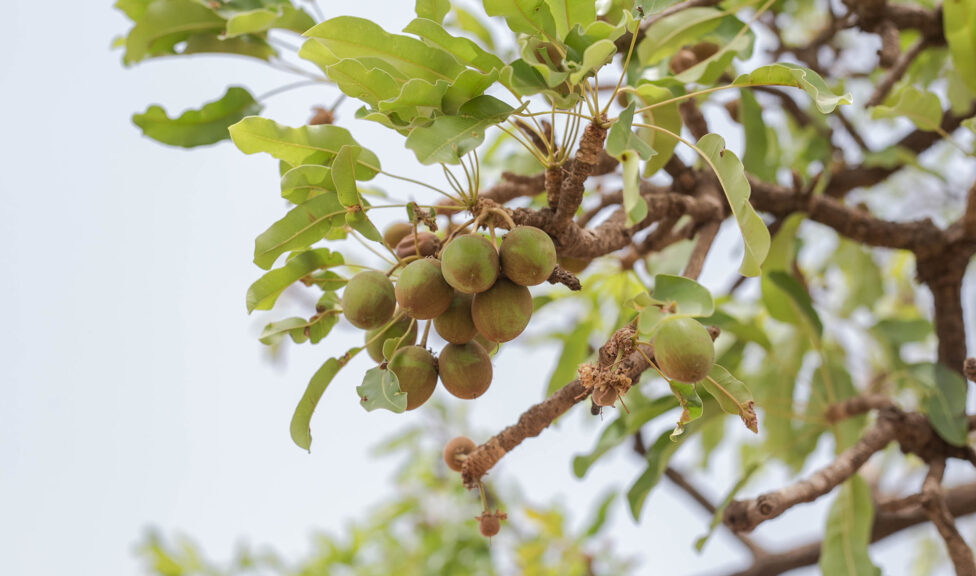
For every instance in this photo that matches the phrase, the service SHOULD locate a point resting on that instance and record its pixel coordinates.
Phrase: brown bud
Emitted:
(322, 116)
(683, 60)
(426, 242)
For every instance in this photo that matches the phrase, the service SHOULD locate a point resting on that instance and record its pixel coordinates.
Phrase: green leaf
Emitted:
(568, 13)
(303, 226)
(600, 518)
(575, 351)
(848, 532)
(921, 107)
(634, 204)
(690, 297)
(667, 117)
(370, 85)
(861, 275)
(282, 16)
(300, 329)
(732, 395)
(755, 159)
(360, 222)
(595, 57)
(959, 26)
(730, 174)
(351, 37)
(381, 389)
(945, 401)
(785, 74)
(667, 35)
(344, 175)
(450, 137)
(304, 145)
(710, 69)
(198, 127)
(301, 434)
(622, 429)
(657, 458)
(434, 10)
(263, 293)
(621, 138)
(473, 25)
(531, 17)
(648, 319)
(720, 509)
(166, 23)
(463, 49)
(691, 406)
(801, 305)
(306, 181)
(252, 46)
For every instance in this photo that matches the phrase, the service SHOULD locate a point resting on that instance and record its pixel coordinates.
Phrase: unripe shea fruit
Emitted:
(416, 370)
(374, 346)
(683, 349)
(528, 256)
(470, 263)
(396, 232)
(503, 312)
(465, 369)
(574, 265)
(462, 445)
(455, 324)
(421, 290)
(369, 300)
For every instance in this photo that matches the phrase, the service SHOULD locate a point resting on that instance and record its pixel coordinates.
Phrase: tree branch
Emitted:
(934, 504)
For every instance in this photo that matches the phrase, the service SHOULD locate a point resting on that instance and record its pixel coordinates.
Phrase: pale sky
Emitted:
(136, 392)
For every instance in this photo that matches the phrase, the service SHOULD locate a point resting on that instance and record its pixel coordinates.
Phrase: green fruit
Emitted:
(455, 324)
(683, 349)
(368, 301)
(396, 232)
(465, 369)
(503, 312)
(470, 263)
(574, 265)
(416, 370)
(374, 345)
(462, 445)
(528, 256)
(421, 290)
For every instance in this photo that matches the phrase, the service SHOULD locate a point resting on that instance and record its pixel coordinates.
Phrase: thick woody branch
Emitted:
(571, 187)
(696, 261)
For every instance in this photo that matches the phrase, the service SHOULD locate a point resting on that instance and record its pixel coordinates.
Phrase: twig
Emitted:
(566, 278)
(935, 506)
(897, 71)
(706, 236)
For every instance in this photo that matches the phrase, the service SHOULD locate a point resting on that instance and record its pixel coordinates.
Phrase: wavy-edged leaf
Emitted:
(732, 395)
(351, 37)
(450, 137)
(301, 433)
(730, 174)
(665, 116)
(848, 532)
(303, 145)
(473, 25)
(301, 227)
(959, 25)
(945, 401)
(920, 106)
(434, 10)
(207, 125)
(461, 48)
(690, 297)
(531, 17)
(251, 46)
(381, 390)
(469, 85)
(166, 23)
(369, 85)
(300, 329)
(281, 16)
(786, 74)
(622, 429)
(569, 13)
(263, 293)
(595, 57)
(306, 181)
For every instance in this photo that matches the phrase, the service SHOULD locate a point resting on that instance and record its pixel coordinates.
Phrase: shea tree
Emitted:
(594, 157)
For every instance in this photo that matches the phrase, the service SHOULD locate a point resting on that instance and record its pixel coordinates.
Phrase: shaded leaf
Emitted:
(344, 175)
(959, 24)
(755, 159)
(595, 57)
(848, 531)
(921, 107)
(799, 298)
(434, 10)
(450, 137)
(621, 138)
(634, 204)
(166, 23)
(198, 127)
(691, 406)
(658, 455)
(301, 434)
(720, 509)
(263, 293)
(360, 222)
(730, 174)
(569, 13)
(531, 17)
(667, 117)
(945, 401)
(575, 351)
(381, 390)
(306, 181)
(282, 16)
(690, 297)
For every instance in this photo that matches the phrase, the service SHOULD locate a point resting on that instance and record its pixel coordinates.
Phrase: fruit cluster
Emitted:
(475, 294)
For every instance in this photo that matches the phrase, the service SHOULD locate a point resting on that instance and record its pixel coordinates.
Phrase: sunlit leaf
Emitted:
(198, 127)
(621, 138)
(786, 74)
(755, 158)
(799, 299)
(344, 175)
(634, 204)
(959, 27)
(304, 225)
(306, 181)
(665, 116)
(730, 174)
(531, 17)
(263, 293)
(944, 402)
(434, 10)
(301, 434)
(166, 23)
(690, 297)
(569, 13)
(461, 48)
(450, 137)
(282, 16)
